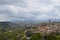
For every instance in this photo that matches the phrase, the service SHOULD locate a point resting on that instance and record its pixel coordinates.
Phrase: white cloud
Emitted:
(3, 17)
(42, 17)
(46, 9)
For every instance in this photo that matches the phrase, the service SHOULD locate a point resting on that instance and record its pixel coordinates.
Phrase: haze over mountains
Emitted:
(31, 21)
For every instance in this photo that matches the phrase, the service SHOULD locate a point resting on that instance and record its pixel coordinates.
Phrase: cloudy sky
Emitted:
(12, 10)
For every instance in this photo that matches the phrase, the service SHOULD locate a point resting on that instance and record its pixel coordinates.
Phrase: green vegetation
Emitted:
(36, 36)
(24, 38)
(16, 33)
(50, 37)
(58, 37)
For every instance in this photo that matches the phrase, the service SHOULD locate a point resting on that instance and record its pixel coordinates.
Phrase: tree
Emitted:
(50, 37)
(36, 36)
(58, 37)
(24, 38)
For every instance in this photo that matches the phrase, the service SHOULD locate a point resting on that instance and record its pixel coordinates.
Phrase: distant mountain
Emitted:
(19, 24)
(31, 21)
